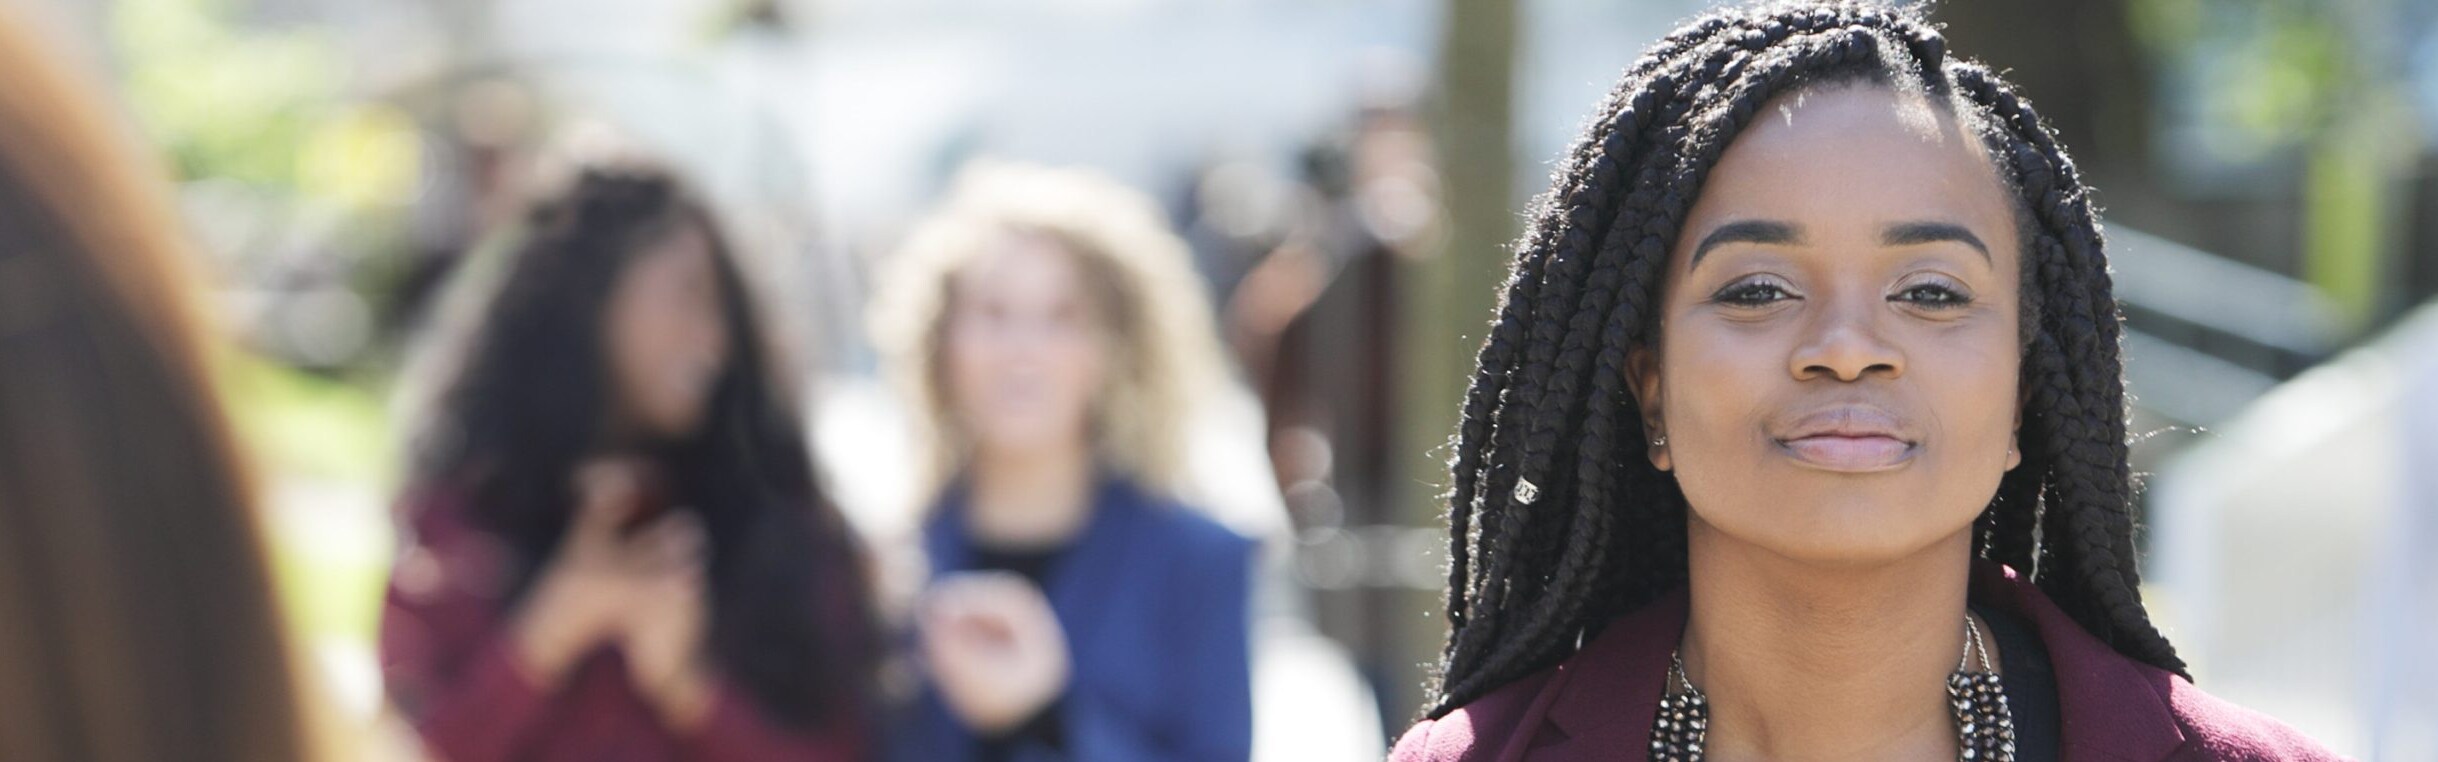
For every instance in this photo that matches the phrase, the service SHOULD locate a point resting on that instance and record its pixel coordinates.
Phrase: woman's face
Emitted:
(1025, 347)
(666, 335)
(1837, 366)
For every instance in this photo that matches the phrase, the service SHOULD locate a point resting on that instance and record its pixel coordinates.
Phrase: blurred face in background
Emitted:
(1026, 347)
(667, 338)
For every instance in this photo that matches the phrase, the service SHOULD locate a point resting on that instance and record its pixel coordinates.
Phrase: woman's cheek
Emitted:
(1081, 373)
(968, 373)
(1716, 383)
(1987, 432)
(1707, 408)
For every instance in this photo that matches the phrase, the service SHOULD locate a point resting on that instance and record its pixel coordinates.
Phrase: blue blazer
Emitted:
(1153, 599)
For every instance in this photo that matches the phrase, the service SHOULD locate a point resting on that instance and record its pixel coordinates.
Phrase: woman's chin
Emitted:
(1028, 439)
(1830, 534)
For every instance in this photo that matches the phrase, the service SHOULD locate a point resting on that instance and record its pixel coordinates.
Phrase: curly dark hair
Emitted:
(1550, 401)
(789, 620)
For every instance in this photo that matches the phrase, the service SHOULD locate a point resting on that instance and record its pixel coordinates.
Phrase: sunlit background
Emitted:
(1348, 171)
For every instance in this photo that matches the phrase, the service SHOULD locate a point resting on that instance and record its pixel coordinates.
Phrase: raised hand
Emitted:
(994, 648)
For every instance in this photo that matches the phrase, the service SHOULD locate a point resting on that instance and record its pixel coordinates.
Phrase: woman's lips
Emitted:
(1850, 453)
(1850, 438)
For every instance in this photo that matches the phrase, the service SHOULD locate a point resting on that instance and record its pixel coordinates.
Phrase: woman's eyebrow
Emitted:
(1745, 231)
(1911, 233)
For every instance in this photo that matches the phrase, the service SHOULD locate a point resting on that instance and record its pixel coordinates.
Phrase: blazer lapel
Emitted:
(2109, 706)
(945, 543)
(1082, 584)
(1605, 695)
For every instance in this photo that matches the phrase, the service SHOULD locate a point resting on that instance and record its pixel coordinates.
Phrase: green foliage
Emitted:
(224, 102)
(2260, 76)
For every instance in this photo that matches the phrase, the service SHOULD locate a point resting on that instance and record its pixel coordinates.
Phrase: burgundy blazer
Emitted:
(452, 668)
(2110, 707)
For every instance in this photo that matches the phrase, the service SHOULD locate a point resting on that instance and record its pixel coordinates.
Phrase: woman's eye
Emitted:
(1751, 294)
(1933, 295)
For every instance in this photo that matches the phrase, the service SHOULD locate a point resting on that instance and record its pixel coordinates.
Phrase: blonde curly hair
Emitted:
(1164, 353)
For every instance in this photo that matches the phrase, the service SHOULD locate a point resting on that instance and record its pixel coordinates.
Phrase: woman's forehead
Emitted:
(1021, 263)
(1854, 160)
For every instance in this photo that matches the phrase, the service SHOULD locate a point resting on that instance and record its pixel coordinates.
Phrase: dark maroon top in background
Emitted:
(452, 667)
(1597, 704)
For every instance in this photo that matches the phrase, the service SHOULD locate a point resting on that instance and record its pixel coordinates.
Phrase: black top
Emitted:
(1030, 563)
(1034, 565)
(2029, 681)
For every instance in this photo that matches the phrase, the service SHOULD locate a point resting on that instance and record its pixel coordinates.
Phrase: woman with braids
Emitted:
(616, 549)
(1048, 326)
(1801, 433)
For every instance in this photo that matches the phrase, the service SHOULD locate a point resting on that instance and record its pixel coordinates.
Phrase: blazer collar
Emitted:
(1606, 693)
(2110, 707)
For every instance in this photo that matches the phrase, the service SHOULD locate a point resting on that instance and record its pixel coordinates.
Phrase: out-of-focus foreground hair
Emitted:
(137, 616)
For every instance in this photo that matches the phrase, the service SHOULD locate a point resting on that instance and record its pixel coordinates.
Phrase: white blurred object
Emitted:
(2291, 549)
(1309, 703)
(1227, 467)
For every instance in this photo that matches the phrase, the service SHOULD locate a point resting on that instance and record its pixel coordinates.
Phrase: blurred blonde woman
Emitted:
(1049, 328)
(137, 616)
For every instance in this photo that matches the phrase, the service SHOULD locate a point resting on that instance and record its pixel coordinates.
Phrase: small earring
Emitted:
(1660, 441)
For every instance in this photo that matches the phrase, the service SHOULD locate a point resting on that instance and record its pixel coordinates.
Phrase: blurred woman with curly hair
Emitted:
(1049, 328)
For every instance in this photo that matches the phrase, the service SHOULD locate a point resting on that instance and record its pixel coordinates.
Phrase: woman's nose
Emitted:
(1845, 341)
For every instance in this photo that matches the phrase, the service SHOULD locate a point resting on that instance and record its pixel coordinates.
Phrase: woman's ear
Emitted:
(1642, 373)
(2014, 439)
